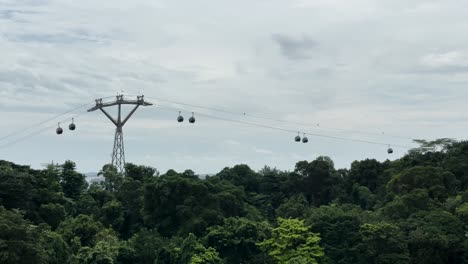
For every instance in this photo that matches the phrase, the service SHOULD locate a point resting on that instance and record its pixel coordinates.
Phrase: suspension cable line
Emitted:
(281, 120)
(38, 132)
(283, 129)
(23, 130)
(256, 124)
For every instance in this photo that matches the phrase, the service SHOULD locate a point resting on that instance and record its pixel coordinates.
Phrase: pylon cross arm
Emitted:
(100, 104)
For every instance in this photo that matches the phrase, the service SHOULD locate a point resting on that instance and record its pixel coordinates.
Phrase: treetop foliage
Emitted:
(411, 210)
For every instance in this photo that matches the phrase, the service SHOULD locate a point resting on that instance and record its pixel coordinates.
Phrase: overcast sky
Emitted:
(393, 66)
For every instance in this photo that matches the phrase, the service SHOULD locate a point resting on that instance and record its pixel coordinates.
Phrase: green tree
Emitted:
(362, 196)
(130, 196)
(113, 214)
(112, 179)
(100, 195)
(293, 207)
(57, 251)
(438, 182)
(456, 161)
(241, 175)
(273, 189)
(193, 252)
(147, 246)
(293, 242)
(410, 210)
(207, 256)
(384, 243)
(339, 228)
(140, 173)
(20, 241)
(236, 239)
(52, 214)
(16, 188)
(80, 231)
(401, 207)
(462, 213)
(182, 204)
(86, 205)
(368, 173)
(73, 183)
(435, 237)
(320, 182)
(105, 250)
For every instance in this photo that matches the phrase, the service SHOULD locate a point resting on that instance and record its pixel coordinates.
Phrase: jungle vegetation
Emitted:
(411, 210)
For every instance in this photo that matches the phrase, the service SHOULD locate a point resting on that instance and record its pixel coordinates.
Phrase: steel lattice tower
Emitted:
(118, 153)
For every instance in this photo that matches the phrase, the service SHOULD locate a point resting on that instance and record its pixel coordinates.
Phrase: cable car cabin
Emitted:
(180, 119)
(305, 140)
(390, 151)
(72, 126)
(297, 139)
(192, 119)
(59, 131)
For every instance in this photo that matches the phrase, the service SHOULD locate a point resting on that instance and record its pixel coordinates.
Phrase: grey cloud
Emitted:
(288, 73)
(16, 3)
(19, 78)
(295, 48)
(447, 69)
(29, 83)
(407, 63)
(414, 95)
(92, 52)
(15, 15)
(324, 72)
(10, 14)
(55, 38)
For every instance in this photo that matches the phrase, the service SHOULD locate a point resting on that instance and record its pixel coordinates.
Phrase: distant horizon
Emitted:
(197, 173)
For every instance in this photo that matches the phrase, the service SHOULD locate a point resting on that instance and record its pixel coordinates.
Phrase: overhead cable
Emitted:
(318, 125)
(284, 129)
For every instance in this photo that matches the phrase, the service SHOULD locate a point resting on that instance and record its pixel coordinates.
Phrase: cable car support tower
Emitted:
(118, 153)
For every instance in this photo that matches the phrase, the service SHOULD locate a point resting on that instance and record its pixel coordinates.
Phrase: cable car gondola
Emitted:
(192, 119)
(59, 130)
(180, 118)
(72, 126)
(297, 138)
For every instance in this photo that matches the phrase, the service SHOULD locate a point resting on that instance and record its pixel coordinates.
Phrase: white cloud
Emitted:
(359, 65)
(450, 58)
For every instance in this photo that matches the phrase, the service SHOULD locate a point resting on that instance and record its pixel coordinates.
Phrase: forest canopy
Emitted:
(411, 210)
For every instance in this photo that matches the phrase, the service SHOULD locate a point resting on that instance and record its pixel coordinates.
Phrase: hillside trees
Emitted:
(411, 210)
